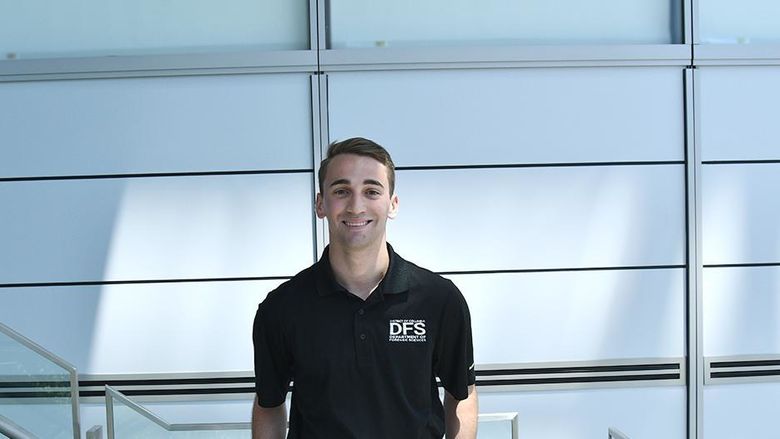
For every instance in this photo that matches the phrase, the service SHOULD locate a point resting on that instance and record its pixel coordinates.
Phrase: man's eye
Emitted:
(340, 192)
(373, 193)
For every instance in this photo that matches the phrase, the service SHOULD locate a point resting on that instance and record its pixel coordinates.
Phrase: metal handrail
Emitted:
(74, 380)
(112, 394)
(11, 430)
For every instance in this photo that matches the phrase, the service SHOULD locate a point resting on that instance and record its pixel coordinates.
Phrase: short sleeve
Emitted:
(454, 351)
(272, 363)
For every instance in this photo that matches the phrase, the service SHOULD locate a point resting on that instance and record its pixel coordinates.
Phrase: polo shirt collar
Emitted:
(396, 279)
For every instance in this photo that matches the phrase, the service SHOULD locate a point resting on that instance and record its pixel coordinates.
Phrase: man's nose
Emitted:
(355, 204)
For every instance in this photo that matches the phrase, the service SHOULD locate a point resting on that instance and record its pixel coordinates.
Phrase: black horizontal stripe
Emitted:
(166, 381)
(172, 392)
(745, 373)
(744, 265)
(540, 165)
(740, 162)
(574, 380)
(31, 395)
(138, 281)
(745, 363)
(154, 174)
(548, 270)
(22, 384)
(579, 369)
(257, 278)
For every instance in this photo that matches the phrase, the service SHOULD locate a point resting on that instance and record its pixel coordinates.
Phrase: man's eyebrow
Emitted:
(340, 181)
(373, 182)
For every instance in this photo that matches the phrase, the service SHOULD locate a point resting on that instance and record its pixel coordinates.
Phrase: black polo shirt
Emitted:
(363, 369)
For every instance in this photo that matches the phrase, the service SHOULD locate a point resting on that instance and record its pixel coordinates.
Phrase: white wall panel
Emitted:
(641, 413)
(738, 108)
(740, 213)
(143, 328)
(741, 311)
(489, 219)
(38, 28)
(576, 316)
(175, 124)
(155, 228)
(513, 116)
(741, 411)
(354, 23)
(744, 22)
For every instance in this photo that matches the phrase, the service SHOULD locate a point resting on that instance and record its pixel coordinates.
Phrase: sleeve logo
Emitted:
(407, 330)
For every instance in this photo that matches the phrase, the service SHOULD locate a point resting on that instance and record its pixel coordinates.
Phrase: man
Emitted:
(363, 334)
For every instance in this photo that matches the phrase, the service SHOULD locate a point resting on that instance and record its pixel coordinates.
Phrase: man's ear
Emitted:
(318, 208)
(393, 207)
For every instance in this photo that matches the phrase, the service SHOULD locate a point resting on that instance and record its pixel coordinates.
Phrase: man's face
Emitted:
(356, 199)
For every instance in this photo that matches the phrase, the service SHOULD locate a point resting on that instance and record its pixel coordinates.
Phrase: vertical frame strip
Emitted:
(319, 83)
(693, 6)
(694, 248)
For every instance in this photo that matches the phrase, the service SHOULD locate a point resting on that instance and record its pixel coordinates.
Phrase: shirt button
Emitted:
(361, 312)
(362, 336)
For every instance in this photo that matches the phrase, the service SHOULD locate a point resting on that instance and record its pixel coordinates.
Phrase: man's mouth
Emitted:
(356, 223)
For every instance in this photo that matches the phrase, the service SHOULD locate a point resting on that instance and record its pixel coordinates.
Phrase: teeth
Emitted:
(360, 224)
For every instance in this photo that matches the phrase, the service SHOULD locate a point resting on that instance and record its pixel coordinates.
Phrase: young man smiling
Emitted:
(363, 334)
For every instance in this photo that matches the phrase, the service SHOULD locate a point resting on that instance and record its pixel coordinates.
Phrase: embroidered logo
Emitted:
(407, 330)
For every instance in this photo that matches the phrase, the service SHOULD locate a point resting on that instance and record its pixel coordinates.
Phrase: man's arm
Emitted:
(269, 423)
(460, 416)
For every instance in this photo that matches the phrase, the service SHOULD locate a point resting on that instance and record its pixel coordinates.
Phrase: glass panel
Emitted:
(155, 228)
(35, 392)
(357, 23)
(133, 420)
(141, 125)
(738, 108)
(43, 29)
(514, 115)
(739, 22)
(741, 311)
(741, 410)
(582, 216)
(496, 426)
(565, 316)
(567, 414)
(740, 213)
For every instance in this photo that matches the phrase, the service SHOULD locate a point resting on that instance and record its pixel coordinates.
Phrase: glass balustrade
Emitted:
(128, 419)
(38, 391)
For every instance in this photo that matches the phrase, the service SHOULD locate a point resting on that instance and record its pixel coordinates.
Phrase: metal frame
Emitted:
(459, 57)
(159, 65)
(694, 251)
(708, 380)
(320, 147)
(74, 382)
(614, 433)
(12, 430)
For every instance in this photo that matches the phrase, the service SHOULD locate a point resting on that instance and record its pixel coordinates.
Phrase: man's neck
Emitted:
(359, 271)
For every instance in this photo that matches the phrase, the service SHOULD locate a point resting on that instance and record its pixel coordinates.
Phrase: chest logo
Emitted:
(407, 330)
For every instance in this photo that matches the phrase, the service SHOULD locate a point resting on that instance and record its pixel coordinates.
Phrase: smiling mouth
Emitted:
(356, 223)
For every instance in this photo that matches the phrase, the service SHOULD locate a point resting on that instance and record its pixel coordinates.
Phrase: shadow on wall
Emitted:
(53, 232)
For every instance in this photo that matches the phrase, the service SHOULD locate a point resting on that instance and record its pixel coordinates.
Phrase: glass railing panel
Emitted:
(497, 426)
(127, 418)
(38, 391)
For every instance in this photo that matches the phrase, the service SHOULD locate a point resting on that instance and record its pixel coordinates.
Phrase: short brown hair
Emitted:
(363, 147)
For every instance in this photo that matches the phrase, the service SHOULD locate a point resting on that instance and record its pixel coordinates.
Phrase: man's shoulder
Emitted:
(292, 290)
(424, 278)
